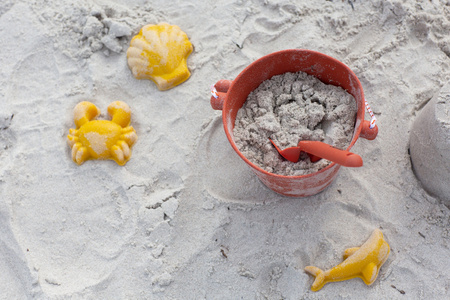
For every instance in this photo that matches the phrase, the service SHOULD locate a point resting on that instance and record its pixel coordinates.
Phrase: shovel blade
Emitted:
(292, 153)
(318, 150)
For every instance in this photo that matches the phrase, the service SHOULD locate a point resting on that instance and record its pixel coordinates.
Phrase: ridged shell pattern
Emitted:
(159, 53)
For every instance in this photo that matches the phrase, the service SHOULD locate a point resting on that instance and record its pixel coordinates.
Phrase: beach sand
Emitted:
(186, 218)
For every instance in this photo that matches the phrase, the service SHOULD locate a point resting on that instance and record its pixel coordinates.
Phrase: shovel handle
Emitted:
(342, 157)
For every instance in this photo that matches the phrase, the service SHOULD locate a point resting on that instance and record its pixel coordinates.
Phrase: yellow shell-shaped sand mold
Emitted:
(159, 53)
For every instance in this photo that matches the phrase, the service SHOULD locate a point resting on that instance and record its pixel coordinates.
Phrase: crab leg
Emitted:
(72, 138)
(79, 153)
(129, 136)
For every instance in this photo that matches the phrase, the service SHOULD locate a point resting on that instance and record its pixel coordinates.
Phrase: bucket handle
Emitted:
(369, 129)
(219, 93)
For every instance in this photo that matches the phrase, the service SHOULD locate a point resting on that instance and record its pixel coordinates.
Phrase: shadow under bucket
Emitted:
(231, 95)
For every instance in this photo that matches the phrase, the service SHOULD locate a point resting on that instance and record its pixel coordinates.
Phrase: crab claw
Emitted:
(120, 113)
(84, 112)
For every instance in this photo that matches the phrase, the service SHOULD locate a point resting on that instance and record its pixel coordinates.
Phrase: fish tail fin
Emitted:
(319, 282)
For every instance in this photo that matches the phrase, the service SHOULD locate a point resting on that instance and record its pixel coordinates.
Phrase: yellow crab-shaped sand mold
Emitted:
(102, 139)
(363, 262)
(159, 52)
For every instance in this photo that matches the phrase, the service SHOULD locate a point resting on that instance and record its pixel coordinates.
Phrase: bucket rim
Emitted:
(359, 114)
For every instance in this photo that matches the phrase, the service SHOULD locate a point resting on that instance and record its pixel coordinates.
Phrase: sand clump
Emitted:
(288, 108)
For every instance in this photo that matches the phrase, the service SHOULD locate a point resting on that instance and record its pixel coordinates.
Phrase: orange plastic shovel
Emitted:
(318, 150)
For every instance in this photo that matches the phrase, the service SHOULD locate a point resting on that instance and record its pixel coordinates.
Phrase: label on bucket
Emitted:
(214, 92)
(373, 119)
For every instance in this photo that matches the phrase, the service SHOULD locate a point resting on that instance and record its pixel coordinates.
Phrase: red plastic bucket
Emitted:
(231, 95)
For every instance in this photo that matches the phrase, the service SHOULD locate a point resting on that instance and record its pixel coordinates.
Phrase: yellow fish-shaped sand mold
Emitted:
(159, 53)
(102, 139)
(363, 262)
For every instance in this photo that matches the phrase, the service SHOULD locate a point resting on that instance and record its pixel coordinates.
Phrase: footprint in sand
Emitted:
(269, 22)
(7, 138)
(223, 173)
(275, 18)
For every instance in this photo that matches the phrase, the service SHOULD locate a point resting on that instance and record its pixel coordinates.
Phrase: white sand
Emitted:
(185, 218)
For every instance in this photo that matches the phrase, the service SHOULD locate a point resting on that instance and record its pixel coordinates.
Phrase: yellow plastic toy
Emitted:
(363, 262)
(102, 139)
(159, 52)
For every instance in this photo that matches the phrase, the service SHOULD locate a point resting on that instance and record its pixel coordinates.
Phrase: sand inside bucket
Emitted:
(288, 108)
